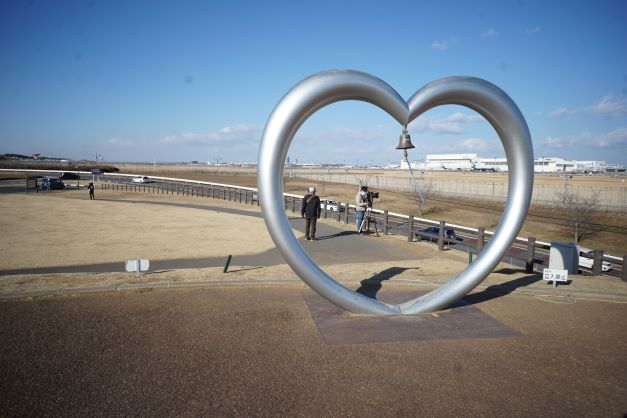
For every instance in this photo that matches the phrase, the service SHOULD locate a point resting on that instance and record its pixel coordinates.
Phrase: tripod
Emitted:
(368, 217)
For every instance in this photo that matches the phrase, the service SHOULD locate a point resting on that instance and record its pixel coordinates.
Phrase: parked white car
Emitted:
(141, 179)
(331, 205)
(589, 262)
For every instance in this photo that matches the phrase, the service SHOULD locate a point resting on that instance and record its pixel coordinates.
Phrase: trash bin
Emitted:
(564, 256)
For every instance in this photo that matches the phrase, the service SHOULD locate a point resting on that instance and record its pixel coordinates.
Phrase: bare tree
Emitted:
(491, 219)
(580, 211)
(423, 190)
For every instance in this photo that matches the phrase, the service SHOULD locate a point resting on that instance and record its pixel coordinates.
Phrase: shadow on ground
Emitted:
(502, 289)
(337, 235)
(371, 286)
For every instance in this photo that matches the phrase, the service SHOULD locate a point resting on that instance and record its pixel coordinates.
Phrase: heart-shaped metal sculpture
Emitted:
(328, 87)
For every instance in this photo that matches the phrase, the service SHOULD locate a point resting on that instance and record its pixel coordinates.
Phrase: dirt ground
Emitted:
(59, 229)
(545, 224)
(66, 228)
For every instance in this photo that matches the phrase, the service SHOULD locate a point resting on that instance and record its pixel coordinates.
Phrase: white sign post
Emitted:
(137, 266)
(555, 275)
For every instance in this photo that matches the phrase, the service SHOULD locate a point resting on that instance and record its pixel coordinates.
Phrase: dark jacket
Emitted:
(311, 206)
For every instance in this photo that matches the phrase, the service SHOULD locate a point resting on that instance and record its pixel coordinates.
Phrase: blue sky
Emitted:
(187, 80)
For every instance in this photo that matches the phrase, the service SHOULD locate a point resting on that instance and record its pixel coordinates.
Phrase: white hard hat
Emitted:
(312, 189)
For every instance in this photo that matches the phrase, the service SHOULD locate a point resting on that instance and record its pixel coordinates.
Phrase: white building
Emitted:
(468, 162)
(450, 161)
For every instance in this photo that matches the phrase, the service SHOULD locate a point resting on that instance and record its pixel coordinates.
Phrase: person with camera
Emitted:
(310, 210)
(361, 203)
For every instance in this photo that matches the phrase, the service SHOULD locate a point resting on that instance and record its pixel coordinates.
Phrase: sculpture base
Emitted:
(462, 321)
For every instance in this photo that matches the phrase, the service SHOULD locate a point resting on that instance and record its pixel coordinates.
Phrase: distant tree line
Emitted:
(23, 162)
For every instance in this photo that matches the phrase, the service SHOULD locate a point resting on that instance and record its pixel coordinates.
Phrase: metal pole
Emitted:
(228, 261)
(410, 228)
(441, 236)
(385, 222)
(480, 239)
(531, 249)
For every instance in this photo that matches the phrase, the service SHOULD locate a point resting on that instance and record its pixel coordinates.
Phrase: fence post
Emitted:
(410, 228)
(531, 252)
(385, 222)
(598, 262)
(346, 213)
(480, 239)
(624, 268)
(441, 236)
(339, 211)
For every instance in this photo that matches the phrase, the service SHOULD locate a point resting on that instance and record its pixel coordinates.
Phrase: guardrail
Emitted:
(525, 252)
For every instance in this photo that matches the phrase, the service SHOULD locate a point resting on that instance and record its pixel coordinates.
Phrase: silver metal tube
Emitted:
(328, 87)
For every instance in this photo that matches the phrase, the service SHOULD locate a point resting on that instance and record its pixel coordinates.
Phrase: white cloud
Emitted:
(119, 142)
(534, 30)
(235, 134)
(561, 112)
(613, 139)
(450, 125)
(440, 45)
(475, 144)
(463, 117)
(468, 145)
(490, 33)
(341, 135)
(435, 125)
(610, 106)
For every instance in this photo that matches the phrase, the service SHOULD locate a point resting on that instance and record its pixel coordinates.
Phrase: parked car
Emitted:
(433, 232)
(52, 184)
(66, 175)
(141, 179)
(589, 262)
(331, 205)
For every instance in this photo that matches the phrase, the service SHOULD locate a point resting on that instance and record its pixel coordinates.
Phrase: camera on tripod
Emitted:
(370, 197)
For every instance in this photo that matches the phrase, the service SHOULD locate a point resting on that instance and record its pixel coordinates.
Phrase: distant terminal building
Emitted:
(463, 162)
(472, 162)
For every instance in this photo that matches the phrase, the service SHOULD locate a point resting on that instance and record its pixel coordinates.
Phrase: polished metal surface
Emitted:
(328, 87)
(404, 141)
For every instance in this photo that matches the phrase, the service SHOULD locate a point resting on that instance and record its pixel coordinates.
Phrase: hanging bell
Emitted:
(404, 141)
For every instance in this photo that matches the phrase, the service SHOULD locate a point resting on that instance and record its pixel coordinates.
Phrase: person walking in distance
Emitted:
(361, 203)
(310, 210)
(91, 191)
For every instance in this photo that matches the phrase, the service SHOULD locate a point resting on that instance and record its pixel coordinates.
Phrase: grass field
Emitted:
(608, 230)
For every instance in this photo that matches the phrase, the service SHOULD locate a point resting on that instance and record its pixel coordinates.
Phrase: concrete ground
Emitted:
(256, 341)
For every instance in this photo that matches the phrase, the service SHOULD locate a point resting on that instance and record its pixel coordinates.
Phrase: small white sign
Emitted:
(555, 275)
(135, 266)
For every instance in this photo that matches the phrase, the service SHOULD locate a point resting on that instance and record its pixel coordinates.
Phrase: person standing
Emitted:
(91, 191)
(310, 210)
(361, 203)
